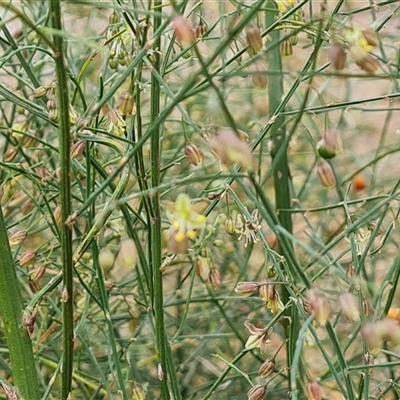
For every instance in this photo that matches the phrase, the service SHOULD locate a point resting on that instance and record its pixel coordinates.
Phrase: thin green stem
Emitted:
(64, 138)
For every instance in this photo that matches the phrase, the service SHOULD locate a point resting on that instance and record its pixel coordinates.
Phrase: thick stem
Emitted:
(65, 231)
(282, 177)
(156, 234)
(11, 307)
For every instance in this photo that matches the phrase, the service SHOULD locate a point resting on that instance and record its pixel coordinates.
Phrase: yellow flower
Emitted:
(184, 221)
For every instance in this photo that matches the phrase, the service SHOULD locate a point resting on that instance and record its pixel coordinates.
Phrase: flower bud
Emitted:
(113, 18)
(77, 149)
(230, 149)
(370, 36)
(349, 307)
(267, 368)
(57, 215)
(28, 142)
(178, 243)
(27, 258)
(257, 392)
(230, 226)
(106, 260)
(215, 278)
(254, 40)
(247, 289)
(358, 54)
(39, 92)
(27, 207)
(325, 174)
(194, 154)
(337, 57)
(10, 154)
(38, 273)
(318, 306)
(286, 48)
(17, 238)
(183, 31)
(200, 30)
(112, 62)
(126, 103)
(138, 394)
(294, 39)
(333, 141)
(370, 64)
(313, 391)
(53, 115)
(351, 270)
(259, 75)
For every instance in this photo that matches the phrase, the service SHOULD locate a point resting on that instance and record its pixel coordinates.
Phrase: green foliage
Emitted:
(173, 226)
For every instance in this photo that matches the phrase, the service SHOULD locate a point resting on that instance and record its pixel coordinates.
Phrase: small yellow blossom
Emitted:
(184, 221)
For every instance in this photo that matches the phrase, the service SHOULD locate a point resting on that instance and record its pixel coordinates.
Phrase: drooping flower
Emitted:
(113, 120)
(248, 227)
(259, 337)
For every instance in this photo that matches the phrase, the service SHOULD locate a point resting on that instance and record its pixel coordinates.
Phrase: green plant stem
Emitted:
(65, 230)
(281, 172)
(156, 234)
(11, 306)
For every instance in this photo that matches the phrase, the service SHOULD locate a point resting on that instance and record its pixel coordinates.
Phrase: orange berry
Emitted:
(359, 183)
(394, 313)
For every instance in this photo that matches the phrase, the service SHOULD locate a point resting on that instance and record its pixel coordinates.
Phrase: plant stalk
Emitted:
(65, 230)
(156, 234)
(281, 171)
